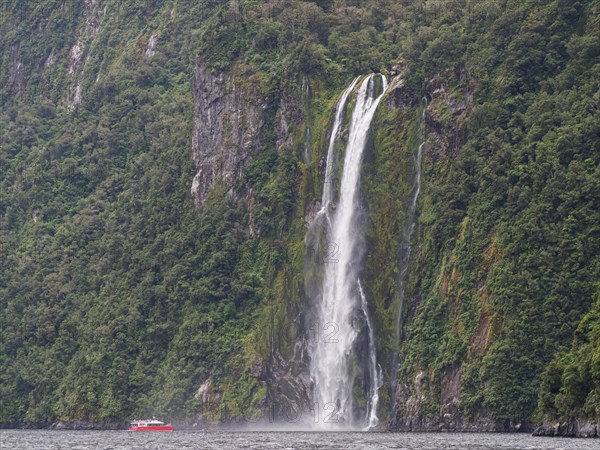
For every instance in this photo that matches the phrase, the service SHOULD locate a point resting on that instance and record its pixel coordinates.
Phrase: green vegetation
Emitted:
(507, 259)
(120, 298)
(570, 386)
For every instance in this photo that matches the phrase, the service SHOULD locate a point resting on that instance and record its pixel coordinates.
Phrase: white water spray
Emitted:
(342, 294)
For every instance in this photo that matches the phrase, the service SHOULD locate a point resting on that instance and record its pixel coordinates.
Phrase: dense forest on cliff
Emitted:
(123, 294)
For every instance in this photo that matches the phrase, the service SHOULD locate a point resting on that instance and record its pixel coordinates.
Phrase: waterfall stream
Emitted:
(342, 305)
(335, 130)
(375, 372)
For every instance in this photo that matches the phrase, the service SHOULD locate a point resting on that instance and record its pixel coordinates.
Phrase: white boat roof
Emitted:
(148, 422)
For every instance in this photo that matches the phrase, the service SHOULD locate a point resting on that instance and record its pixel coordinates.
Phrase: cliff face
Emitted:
(244, 123)
(122, 294)
(239, 116)
(473, 346)
(572, 428)
(229, 113)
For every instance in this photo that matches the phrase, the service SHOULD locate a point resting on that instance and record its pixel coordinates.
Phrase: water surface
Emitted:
(226, 440)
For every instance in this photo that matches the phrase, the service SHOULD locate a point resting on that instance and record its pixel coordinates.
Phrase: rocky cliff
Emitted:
(573, 428)
(124, 295)
(229, 112)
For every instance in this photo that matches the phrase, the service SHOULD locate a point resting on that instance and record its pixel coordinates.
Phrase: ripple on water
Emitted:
(124, 440)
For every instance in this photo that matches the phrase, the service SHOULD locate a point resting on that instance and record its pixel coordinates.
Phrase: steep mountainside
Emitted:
(162, 162)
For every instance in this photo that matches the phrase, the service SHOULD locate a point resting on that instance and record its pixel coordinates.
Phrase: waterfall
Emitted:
(410, 226)
(341, 296)
(306, 110)
(321, 224)
(375, 372)
(335, 130)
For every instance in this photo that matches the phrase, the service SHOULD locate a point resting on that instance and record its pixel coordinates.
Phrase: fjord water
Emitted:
(341, 296)
(124, 440)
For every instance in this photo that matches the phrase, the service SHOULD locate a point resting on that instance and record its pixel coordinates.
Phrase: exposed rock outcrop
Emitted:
(445, 116)
(80, 52)
(411, 401)
(151, 46)
(16, 76)
(237, 113)
(572, 428)
(291, 395)
(228, 116)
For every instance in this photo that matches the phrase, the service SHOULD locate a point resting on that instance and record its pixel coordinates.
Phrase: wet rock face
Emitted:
(151, 46)
(228, 116)
(80, 53)
(573, 428)
(291, 391)
(231, 111)
(445, 131)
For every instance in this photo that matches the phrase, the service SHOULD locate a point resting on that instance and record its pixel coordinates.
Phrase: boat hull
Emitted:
(152, 428)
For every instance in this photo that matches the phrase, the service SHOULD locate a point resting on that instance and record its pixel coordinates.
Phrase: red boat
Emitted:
(149, 425)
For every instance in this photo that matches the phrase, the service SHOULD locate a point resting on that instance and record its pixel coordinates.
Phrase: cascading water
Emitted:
(375, 373)
(321, 224)
(335, 130)
(341, 296)
(307, 134)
